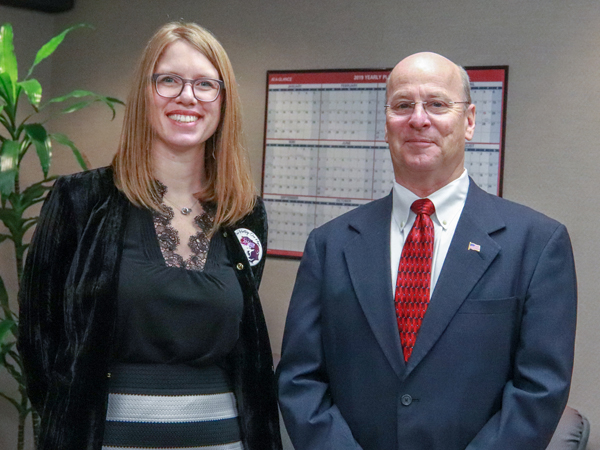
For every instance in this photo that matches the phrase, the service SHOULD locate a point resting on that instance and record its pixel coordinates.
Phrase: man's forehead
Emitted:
(426, 72)
(429, 89)
(426, 62)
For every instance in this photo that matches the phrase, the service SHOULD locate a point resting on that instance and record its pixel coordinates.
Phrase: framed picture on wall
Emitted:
(325, 151)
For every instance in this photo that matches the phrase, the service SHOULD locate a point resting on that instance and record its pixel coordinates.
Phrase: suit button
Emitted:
(239, 266)
(406, 399)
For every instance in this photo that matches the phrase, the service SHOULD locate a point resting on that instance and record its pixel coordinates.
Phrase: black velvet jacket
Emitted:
(68, 315)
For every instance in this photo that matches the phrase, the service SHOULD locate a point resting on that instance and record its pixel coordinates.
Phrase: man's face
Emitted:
(424, 145)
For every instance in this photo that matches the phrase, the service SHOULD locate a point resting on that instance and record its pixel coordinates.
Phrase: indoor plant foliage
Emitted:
(18, 134)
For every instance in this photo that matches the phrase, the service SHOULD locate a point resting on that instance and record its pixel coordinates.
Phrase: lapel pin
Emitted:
(474, 247)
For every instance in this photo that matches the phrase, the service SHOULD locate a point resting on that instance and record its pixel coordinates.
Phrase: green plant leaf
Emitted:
(3, 295)
(6, 350)
(7, 89)
(3, 121)
(48, 48)
(38, 135)
(64, 140)
(33, 89)
(77, 106)
(12, 220)
(9, 218)
(79, 93)
(4, 237)
(5, 326)
(9, 166)
(30, 223)
(8, 59)
(4, 304)
(34, 193)
(11, 400)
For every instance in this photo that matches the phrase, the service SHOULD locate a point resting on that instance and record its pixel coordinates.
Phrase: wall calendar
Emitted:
(325, 151)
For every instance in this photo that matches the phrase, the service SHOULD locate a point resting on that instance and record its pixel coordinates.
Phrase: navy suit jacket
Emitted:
(492, 363)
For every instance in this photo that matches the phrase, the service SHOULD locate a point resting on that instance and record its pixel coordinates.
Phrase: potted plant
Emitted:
(19, 133)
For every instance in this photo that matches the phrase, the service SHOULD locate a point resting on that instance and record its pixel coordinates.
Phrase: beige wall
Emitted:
(552, 48)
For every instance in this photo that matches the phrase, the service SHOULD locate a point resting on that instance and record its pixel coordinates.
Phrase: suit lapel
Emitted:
(462, 269)
(368, 260)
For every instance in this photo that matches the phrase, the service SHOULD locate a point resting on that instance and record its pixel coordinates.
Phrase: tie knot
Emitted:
(423, 206)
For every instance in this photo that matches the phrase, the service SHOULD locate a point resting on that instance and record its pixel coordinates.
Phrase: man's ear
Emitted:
(470, 122)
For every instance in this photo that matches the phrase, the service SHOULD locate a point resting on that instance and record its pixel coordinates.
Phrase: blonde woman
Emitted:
(141, 324)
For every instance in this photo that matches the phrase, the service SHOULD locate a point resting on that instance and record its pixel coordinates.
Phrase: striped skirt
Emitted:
(170, 407)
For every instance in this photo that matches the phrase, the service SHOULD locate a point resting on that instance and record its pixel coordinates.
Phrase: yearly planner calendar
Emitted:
(325, 151)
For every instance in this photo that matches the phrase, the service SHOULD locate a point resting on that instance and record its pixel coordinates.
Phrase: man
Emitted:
(472, 349)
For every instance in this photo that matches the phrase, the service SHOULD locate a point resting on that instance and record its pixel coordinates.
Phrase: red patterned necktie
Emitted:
(414, 276)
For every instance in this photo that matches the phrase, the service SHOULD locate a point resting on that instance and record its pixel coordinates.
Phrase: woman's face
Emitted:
(183, 123)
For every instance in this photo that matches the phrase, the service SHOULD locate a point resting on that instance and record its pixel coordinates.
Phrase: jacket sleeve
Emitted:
(312, 419)
(534, 399)
(42, 291)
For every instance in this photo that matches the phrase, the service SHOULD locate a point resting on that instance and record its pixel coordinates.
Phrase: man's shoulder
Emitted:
(513, 213)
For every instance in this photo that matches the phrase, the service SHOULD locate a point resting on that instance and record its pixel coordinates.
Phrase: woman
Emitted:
(141, 324)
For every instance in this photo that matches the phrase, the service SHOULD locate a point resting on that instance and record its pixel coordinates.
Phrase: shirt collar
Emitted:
(448, 201)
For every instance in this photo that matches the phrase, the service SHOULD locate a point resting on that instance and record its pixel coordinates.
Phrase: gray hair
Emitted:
(466, 82)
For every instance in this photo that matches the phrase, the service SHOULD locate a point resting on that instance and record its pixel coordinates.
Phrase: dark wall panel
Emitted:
(51, 6)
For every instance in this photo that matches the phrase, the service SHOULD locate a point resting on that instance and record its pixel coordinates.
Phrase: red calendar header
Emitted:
(486, 74)
(350, 77)
(365, 76)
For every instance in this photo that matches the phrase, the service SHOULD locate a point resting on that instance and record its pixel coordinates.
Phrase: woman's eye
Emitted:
(169, 80)
(205, 84)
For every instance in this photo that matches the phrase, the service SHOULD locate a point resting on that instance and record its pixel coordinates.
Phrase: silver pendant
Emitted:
(185, 211)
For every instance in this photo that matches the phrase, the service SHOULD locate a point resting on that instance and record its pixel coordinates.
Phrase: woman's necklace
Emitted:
(185, 210)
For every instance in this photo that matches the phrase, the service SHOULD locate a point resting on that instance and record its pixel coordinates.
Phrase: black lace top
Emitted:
(169, 313)
(169, 241)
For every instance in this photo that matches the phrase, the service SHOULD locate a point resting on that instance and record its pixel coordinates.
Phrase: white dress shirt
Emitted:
(448, 201)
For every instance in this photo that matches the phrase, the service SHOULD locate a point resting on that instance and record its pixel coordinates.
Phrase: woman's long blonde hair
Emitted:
(228, 180)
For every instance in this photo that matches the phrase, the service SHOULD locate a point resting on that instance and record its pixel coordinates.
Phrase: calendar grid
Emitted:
(325, 151)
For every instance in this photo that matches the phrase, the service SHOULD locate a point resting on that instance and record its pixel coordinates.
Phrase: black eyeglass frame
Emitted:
(191, 83)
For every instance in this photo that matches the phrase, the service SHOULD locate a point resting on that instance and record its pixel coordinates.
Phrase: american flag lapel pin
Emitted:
(474, 247)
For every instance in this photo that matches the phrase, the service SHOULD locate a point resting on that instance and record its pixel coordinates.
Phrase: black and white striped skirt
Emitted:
(170, 407)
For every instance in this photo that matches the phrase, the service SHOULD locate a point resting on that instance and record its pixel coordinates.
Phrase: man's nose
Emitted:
(419, 117)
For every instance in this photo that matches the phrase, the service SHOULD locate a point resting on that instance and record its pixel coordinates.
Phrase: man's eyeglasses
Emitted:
(171, 86)
(431, 107)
